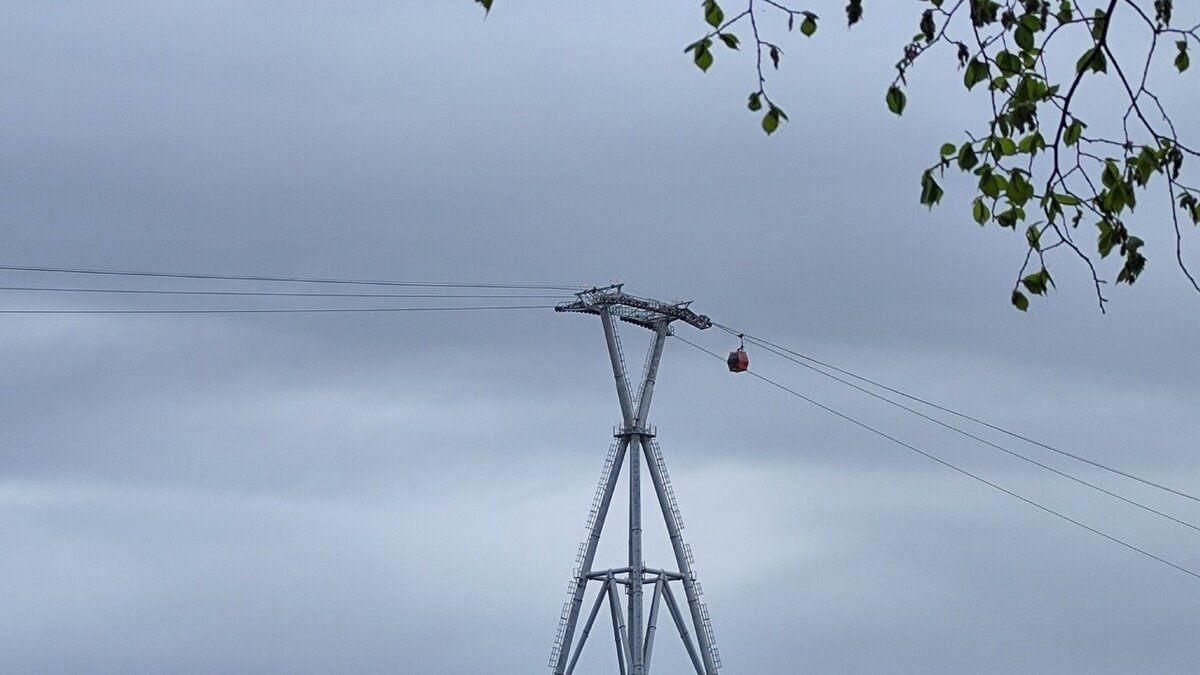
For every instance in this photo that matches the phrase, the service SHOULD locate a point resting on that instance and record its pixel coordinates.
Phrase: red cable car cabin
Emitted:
(738, 361)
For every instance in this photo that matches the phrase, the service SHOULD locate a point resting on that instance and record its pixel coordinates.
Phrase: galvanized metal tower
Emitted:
(634, 439)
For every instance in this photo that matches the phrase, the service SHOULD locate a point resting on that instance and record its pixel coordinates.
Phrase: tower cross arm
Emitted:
(645, 312)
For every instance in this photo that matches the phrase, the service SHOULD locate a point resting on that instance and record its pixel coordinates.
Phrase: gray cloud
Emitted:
(400, 493)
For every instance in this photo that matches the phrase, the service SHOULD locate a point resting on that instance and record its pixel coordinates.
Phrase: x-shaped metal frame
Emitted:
(634, 637)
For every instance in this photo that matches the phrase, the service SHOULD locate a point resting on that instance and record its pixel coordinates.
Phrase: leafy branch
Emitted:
(1042, 178)
(1036, 165)
(702, 54)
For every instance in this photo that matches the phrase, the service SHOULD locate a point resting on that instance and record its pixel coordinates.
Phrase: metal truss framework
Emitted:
(634, 441)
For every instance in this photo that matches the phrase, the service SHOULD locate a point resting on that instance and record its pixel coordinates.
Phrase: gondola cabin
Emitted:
(738, 360)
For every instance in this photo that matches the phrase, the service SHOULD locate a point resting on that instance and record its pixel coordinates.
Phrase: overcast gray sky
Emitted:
(404, 493)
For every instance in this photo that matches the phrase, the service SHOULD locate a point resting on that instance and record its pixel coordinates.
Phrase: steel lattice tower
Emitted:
(634, 441)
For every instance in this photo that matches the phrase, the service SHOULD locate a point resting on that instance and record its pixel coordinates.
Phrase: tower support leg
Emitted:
(630, 419)
(589, 555)
(681, 624)
(624, 656)
(652, 623)
(587, 627)
(636, 561)
(681, 558)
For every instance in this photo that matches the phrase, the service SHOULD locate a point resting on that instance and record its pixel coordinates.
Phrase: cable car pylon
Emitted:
(634, 634)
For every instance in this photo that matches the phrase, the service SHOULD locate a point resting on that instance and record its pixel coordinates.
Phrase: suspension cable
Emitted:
(1079, 458)
(274, 310)
(984, 441)
(955, 468)
(310, 280)
(283, 294)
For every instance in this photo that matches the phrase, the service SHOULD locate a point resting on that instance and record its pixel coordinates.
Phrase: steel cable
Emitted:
(1012, 434)
(955, 468)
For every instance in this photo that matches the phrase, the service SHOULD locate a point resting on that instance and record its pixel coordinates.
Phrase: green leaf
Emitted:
(1010, 217)
(487, 5)
(1135, 264)
(977, 71)
(1033, 237)
(1093, 59)
(1182, 61)
(1074, 132)
(771, 119)
(967, 159)
(980, 212)
(1107, 238)
(729, 39)
(1024, 37)
(1038, 282)
(1019, 190)
(1145, 165)
(854, 11)
(704, 58)
(1099, 24)
(896, 100)
(984, 12)
(1032, 143)
(1192, 206)
(1163, 10)
(713, 13)
(990, 185)
(1009, 63)
(1111, 175)
(809, 25)
(1064, 11)
(1020, 301)
(928, 27)
(931, 192)
(1051, 208)
(1122, 195)
(1066, 199)
(755, 102)
(948, 149)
